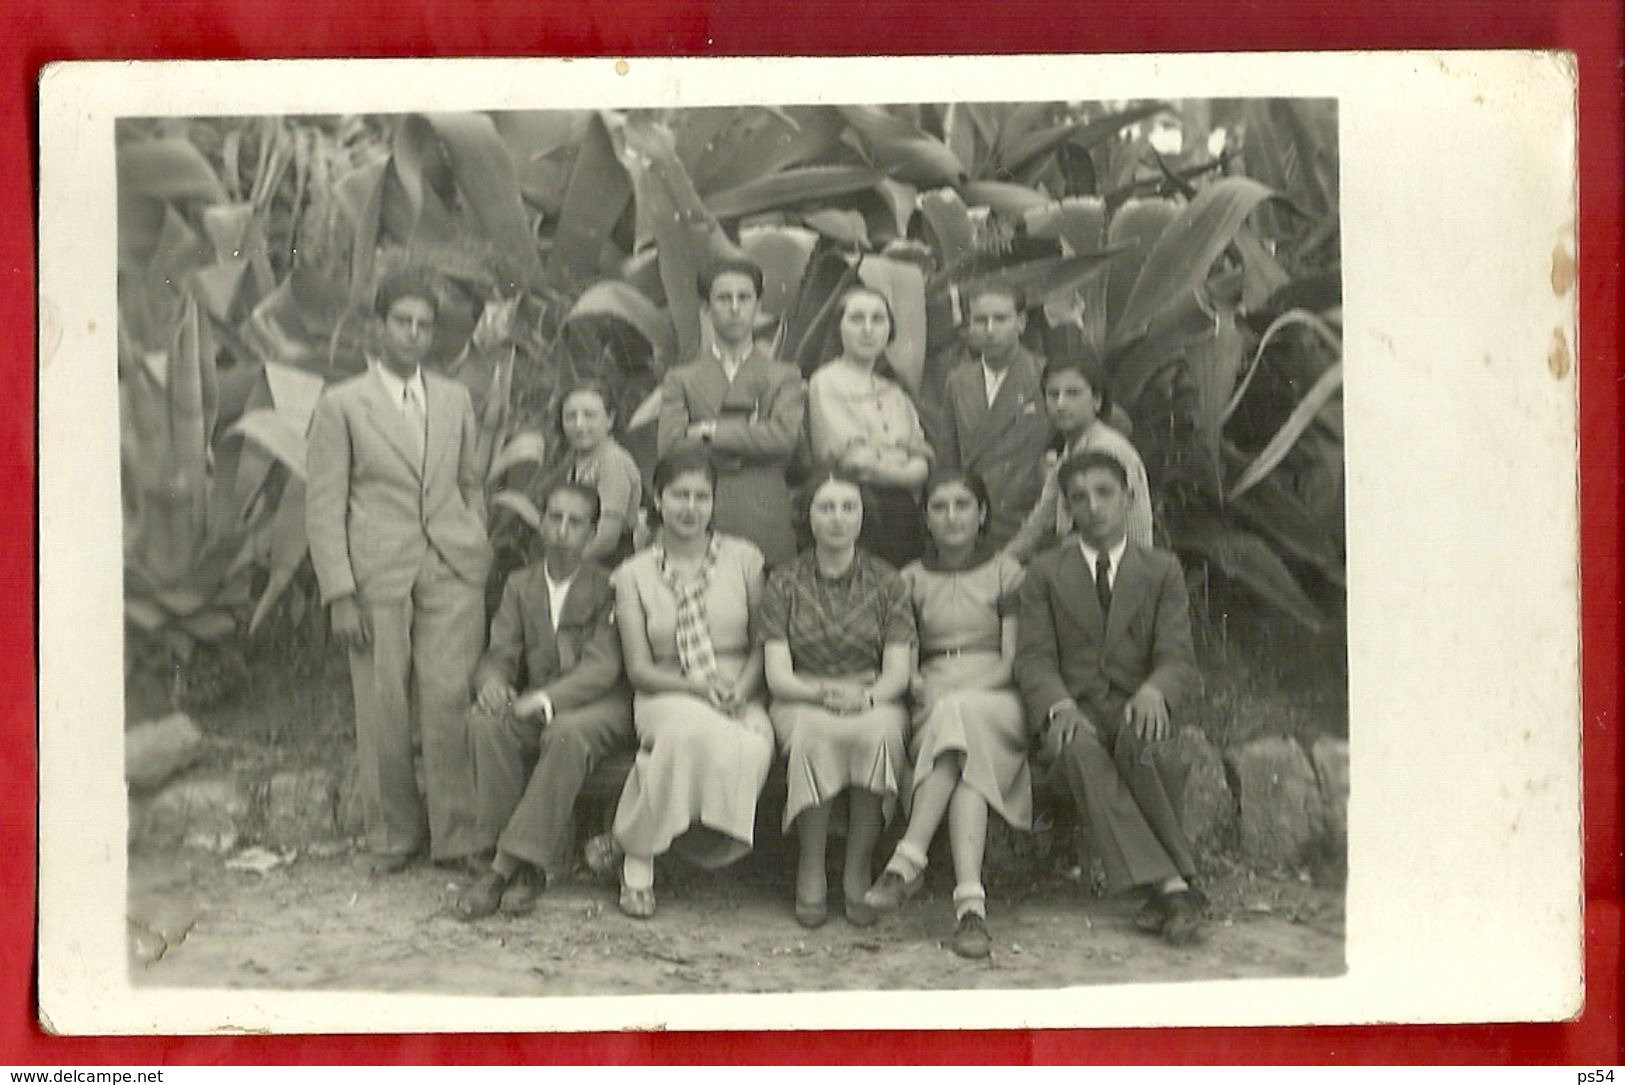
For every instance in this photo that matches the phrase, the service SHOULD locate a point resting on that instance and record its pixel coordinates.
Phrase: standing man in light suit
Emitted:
(396, 517)
(1103, 660)
(745, 407)
(993, 418)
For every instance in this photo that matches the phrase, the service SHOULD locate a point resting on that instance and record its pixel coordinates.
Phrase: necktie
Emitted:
(1103, 583)
(412, 408)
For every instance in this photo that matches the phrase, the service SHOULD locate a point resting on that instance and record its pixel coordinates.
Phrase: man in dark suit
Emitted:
(533, 750)
(1104, 654)
(745, 407)
(395, 513)
(993, 418)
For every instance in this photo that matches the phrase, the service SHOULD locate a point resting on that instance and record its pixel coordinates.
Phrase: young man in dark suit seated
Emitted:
(534, 749)
(1104, 655)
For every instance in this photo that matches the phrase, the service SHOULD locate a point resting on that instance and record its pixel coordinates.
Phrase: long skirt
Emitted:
(986, 725)
(827, 754)
(694, 784)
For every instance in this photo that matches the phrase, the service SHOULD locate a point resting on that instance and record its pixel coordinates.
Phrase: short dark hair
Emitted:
(951, 476)
(1089, 368)
(734, 265)
(581, 490)
(862, 288)
(598, 387)
(1087, 461)
(406, 283)
(686, 457)
(1003, 288)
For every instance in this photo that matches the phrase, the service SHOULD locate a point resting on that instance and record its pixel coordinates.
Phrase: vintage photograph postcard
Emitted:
(961, 542)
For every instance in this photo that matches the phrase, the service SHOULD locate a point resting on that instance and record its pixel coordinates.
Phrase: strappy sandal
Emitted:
(603, 856)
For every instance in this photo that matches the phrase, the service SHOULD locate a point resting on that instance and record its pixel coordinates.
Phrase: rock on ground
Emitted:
(204, 812)
(158, 749)
(1281, 812)
(1331, 758)
(1207, 809)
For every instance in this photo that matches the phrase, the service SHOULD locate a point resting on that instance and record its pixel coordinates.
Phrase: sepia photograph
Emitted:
(737, 547)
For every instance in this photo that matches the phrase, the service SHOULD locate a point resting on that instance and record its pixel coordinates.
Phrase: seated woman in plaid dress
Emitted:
(838, 632)
(683, 606)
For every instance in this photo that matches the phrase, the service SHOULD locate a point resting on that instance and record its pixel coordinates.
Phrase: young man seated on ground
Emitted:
(1104, 651)
(533, 750)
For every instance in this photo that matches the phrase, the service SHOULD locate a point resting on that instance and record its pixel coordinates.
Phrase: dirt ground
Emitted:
(313, 923)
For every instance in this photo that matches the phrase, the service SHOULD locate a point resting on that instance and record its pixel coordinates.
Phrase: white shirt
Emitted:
(1091, 556)
(993, 380)
(556, 592)
(397, 388)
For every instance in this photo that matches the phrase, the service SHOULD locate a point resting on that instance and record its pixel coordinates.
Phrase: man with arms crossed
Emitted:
(534, 750)
(395, 511)
(746, 408)
(993, 419)
(1104, 651)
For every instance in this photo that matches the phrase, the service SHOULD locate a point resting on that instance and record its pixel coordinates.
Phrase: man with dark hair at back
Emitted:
(554, 637)
(993, 420)
(1103, 657)
(745, 407)
(395, 512)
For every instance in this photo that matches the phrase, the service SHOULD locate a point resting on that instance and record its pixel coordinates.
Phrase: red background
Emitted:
(37, 32)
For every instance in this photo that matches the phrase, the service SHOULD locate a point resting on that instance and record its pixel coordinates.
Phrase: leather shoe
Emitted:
(860, 914)
(637, 903)
(482, 898)
(1182, 925)
(971, 938)
(603, 856)
(519, 898)
(891, 890)
(375, 864)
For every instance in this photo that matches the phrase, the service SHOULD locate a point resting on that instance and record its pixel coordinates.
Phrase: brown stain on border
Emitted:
(1558, 358)
(1562, 270)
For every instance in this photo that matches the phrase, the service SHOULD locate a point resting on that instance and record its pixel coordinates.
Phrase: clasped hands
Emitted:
(724, 696)
(845, 700)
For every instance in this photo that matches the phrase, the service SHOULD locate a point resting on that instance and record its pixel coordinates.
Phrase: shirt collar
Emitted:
(982, 553)
(1091, 555)
(731, 362)
(395, 386)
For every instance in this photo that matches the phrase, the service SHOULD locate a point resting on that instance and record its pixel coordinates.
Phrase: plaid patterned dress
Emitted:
(838, 629)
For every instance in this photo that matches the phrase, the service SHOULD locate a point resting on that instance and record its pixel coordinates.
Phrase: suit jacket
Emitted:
(1065, 649)
(759, 417)
(576, 665)
(1003, 443)
(372, 511)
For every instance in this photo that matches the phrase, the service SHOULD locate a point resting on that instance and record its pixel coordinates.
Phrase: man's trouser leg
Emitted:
(448, 631)
(1117, 830)
(531, 810)
(380, 674)
(1154, 779)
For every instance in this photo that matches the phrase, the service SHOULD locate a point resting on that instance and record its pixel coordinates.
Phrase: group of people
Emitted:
(971, 609)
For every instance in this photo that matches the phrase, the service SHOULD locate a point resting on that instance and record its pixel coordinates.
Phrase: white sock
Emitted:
(906, 860)
(1176, 884)
(969, 897)
(638, 873)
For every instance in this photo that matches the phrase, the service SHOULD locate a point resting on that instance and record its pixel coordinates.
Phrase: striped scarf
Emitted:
(694, 650)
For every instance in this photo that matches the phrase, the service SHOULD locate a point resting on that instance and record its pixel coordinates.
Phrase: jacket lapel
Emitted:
(388, 420)
(1013, 395)
(970, 392)
(546, 649)
(709, 387)
(1129, 589)
(442, 425)
(1077, 586)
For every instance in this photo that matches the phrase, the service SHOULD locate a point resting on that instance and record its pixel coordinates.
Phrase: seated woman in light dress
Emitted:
(1078, 403)
(861, 420)
(970, 743)
(838, 633)
(683, 606)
